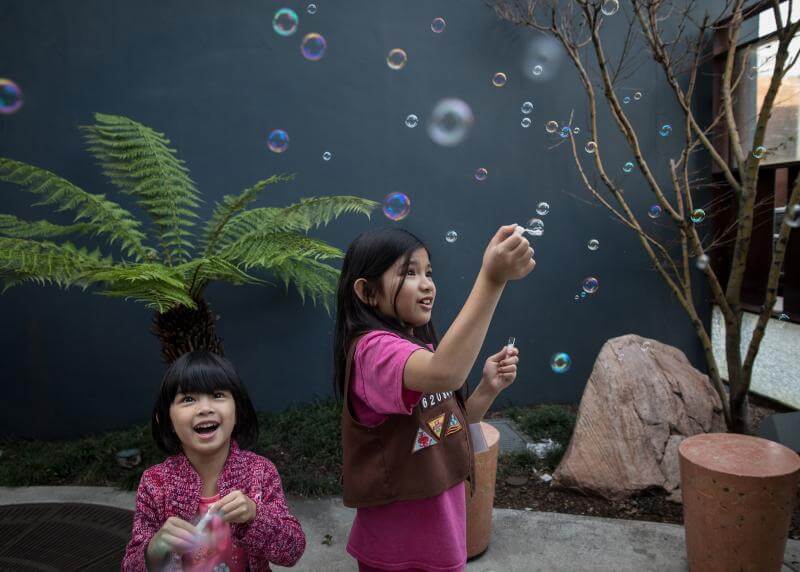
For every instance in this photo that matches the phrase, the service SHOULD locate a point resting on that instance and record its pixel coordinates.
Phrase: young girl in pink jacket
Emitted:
(204, 418)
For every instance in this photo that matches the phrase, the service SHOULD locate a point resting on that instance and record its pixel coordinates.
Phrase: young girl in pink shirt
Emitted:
(389, 363)
(204, 418)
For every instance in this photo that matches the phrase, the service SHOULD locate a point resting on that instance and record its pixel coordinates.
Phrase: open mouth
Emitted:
(426, 303)
(206, 430)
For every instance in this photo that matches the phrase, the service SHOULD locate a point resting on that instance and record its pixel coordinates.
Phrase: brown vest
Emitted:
(406, 457)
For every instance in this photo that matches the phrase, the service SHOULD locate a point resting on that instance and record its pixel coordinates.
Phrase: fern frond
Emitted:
(14, 227)
(267, 249)
(199, 272)
(106, 217)
(139, 162)
(157, 286)
(310, 277)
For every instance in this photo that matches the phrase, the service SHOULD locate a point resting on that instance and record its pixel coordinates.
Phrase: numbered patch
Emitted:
(453, 426)
(423, 441)
(437, 425)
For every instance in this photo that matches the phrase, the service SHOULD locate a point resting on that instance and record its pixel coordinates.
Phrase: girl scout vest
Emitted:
(407, 457)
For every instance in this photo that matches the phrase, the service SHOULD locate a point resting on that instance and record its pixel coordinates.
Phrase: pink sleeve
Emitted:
(379, 361)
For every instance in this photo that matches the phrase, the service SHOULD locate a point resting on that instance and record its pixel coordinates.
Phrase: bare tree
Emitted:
(680, 55)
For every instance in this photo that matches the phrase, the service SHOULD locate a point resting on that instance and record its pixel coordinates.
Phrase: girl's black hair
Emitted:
(202, 372)
(369, 256)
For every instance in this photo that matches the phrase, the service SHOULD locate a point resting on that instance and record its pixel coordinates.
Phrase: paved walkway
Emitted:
(524, 541)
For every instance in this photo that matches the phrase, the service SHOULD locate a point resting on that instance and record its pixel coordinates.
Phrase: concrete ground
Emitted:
(524, 541)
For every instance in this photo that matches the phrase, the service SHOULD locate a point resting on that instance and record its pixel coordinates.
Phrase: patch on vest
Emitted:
(423, 441)
(453, 426)
(437, 424)
(432, 399)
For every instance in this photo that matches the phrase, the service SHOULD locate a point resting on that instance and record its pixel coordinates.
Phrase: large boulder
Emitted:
(642, 399)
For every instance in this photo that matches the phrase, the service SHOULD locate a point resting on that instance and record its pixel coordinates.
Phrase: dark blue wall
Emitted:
(216, 79)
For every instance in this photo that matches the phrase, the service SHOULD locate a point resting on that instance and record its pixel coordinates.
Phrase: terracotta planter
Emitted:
(738, 493)
(479, 507)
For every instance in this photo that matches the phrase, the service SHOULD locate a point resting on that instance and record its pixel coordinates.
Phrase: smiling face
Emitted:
(192, 411)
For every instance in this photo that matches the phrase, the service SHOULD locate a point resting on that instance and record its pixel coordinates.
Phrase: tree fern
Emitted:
(13, 227)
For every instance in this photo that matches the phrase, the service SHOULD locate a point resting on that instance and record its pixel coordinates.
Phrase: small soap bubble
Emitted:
(665, 130)
(610, 7)
(637, 96)
(396, 206)
(698, 215)
(526, 122)
(590, 147)
(278, 141)
(560, 362)
(412, 121)
(576, 298)
(10, 97)
(542, 209)
(590, 285)
(397, 59)
(583, 294)
(626, 100)
(312, 9)
(537, 70)
(511, 342)
(285, 22)
(792, 218)
(450, 122)
(702, 262)
(499, 79)
(576, 130)
(327, 156)
(527, 107)
(759, 152)
(654, 211)
(565, 131)
(451, 236)
(593, 244)
(438, 25)
(313, 47)
(551, 126)
(481, 174)
(535, 227)
(627, 167)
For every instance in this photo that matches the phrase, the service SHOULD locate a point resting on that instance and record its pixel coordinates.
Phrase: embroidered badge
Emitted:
(423, 440)
(437, 424)
(454, 426)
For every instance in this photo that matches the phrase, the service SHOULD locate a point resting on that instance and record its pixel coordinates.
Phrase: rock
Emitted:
(634, 413)
(542, 447)
(516, 480)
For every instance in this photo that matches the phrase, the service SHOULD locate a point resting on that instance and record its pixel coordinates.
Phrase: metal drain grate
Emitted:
(511, 440)
(63, 537)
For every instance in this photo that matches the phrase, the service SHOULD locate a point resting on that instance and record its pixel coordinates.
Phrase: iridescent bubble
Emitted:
(327, 156)
(285, 22)
(542, 209)
(527, 107)
(535, 227)
(593, 244)
(551, 126)
(576, 130)
(526, 122)
(451, 236)
(590, 285)
(397, 59)
(698, 215)
(565, 131)
(637, 96)
(610, 7)
(278, 141)
(576, 298)
(481, 174)
(759, 152)
(312, 9)
(665, 130)
(583, 294)
(590, 147)
(654, 211)
(702, 262)
(396, 206)
(537, 70)
(450, 122)
(560, 362)
(313, 47)
(792, 218)
(499, 79)
(627, 167)
(438, 25)
(10, 97)
(412, 121)
(626, 100)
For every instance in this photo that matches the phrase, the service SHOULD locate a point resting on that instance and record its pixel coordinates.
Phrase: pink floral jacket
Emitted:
(172, 488)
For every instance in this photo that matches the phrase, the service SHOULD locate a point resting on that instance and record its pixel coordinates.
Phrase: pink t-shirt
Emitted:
(427, 534)
(220, 552)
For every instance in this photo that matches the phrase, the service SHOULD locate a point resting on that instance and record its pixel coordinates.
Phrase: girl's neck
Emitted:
(209, 467)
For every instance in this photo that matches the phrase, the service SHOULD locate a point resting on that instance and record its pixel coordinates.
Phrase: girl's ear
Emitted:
(361, 288)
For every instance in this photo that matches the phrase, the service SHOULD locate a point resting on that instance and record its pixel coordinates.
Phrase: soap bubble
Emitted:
(313, 47)
(637, 96)
(793, 217)
(702, 262)
(396, 206)
(576, 298)
(551, 126)
(593, 244)
(591, 147)
(327, 156)
(412, 121)
(481, 174)
(451, 236)
(499, 79)
(278, 141)
(312, 9)
(537, 70)
(698, 215)
(759, 152)
(542, 58)
(626, 100)
(665, 130)
(542, 209)
(560, 362)
(535, 227)
(583, 294)
(526, 122)
(565, 131)
(610, 7)
(627, 167)
(590, 285)
(396, 59)
(654, 211)
(450, 122)
(527, 107)
(438, 25)
(10, 97)
(576, 130)
(285, 22)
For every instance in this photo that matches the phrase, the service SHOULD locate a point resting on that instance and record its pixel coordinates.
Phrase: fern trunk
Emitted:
(184, 329)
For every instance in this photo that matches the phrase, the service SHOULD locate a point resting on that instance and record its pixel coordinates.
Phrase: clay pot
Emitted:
(479, 507)
(738, 493)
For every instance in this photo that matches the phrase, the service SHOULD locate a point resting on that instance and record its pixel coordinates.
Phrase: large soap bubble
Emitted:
(450, 122)
(396, 206)
(542, 58)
